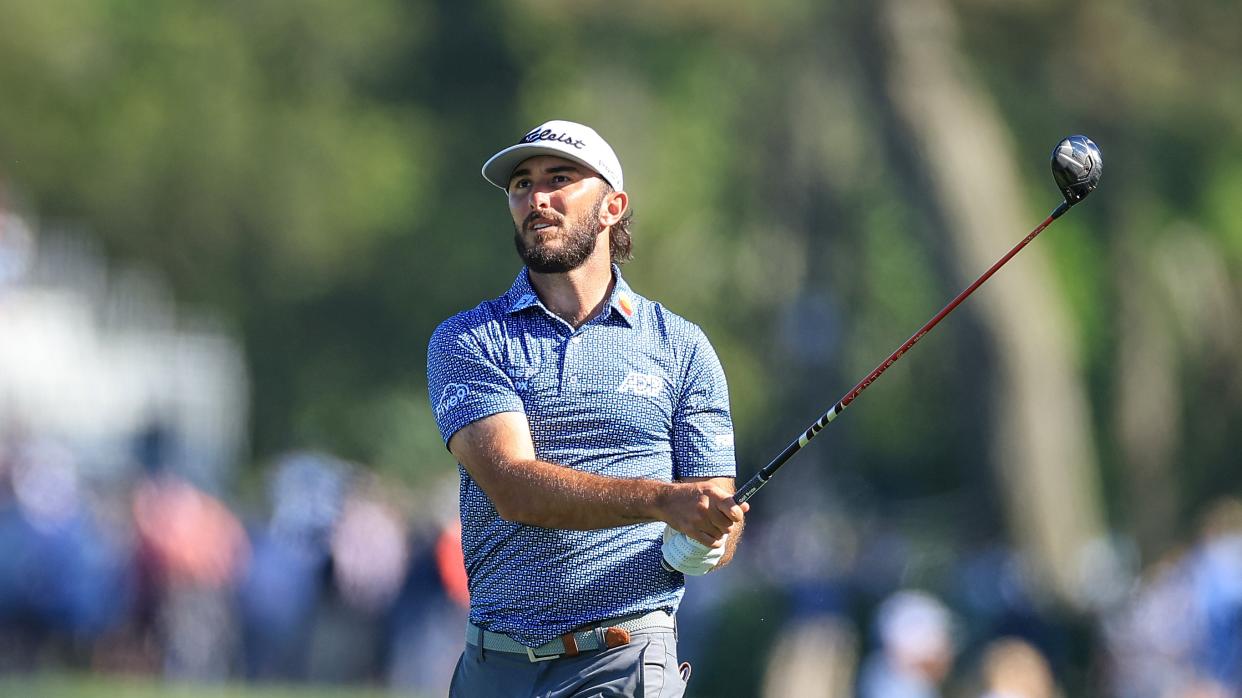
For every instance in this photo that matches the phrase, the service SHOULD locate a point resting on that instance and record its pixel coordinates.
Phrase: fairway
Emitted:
(88, 686)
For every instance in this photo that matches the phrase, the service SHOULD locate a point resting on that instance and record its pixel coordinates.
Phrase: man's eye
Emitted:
(560, 179)
(520, 184)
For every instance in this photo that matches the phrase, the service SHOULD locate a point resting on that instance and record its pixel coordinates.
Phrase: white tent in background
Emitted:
(92, 358)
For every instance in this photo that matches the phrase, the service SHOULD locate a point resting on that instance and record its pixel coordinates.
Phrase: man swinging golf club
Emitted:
(594, 441)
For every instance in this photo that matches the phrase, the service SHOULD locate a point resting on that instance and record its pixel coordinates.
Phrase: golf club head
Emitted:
(1077, 166)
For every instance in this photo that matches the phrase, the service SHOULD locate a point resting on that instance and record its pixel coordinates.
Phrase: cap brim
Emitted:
(500, 166)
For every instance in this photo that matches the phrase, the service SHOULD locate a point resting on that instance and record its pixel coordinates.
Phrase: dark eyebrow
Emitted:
(523, 172)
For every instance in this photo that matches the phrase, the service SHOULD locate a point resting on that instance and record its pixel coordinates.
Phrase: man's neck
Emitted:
(578, 295)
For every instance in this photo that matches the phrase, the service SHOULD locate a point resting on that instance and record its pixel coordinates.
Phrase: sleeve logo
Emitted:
(453, 395)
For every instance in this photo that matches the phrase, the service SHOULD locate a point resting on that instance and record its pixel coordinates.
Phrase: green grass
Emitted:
(95, 686)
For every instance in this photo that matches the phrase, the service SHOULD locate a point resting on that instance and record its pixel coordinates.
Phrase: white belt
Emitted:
(608, 633)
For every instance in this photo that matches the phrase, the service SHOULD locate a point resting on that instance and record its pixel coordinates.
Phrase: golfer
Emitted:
(590, 424)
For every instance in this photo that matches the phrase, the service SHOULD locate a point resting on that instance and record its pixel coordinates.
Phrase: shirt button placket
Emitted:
(567, 368)
(571, 361)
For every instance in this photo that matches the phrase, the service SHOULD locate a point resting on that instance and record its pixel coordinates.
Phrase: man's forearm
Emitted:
(498, 454)
(544, 494)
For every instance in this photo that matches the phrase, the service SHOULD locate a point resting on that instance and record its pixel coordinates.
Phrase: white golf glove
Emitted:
(686, 555)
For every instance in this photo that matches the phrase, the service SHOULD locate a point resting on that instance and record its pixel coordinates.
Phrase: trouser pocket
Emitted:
(661, 675)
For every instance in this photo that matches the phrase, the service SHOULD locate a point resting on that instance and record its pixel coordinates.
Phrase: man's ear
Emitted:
(613, 207)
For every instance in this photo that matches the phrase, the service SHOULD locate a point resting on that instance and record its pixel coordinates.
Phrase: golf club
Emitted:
(1076, 167)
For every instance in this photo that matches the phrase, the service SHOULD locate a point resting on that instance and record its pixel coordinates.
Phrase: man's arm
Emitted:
(735, 530)
(498, 453)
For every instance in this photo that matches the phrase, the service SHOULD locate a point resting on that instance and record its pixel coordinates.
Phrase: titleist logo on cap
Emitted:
(565, 139)
(548, 134)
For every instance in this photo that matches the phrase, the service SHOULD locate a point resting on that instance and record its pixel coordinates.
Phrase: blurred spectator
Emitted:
(1181, 632)
(283, 585)
(1216, 569)
(807, 551)
(1012, 668)
(451, 563)
(63, 579)
(993, 583)
(812, 658)
(916, 648)
(370, 552)
(1151, 639)
(193, 548)
(428, 621)
(194, 540)
(370, 558)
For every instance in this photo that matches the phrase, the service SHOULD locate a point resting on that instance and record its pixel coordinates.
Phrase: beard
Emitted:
(577, 242)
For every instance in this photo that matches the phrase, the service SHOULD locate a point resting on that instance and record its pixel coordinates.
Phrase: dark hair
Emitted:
(619, 242)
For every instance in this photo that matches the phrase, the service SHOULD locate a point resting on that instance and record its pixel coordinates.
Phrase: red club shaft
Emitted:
(761, 478)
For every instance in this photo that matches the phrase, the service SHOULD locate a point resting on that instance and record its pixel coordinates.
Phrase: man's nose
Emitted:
(540, 198)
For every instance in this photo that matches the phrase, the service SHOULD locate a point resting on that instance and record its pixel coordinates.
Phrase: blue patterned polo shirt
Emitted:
(637, 392)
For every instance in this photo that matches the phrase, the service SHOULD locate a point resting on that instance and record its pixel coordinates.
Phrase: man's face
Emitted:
(555, 204)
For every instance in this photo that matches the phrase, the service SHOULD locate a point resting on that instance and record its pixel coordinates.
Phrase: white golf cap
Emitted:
(564, 139)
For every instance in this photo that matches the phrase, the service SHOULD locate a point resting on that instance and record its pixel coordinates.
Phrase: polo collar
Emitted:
(521, 294)
(623, 303)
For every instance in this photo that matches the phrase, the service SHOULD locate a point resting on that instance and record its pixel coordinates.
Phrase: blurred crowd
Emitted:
(132, 540)
(982, 626)
(335, 578)
(338, 576)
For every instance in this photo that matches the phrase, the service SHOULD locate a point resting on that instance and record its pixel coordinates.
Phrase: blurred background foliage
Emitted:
(309, 171)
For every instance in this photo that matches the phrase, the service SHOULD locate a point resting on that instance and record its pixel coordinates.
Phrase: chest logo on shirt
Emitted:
(641, 384)
(521, 377)
(452, 396)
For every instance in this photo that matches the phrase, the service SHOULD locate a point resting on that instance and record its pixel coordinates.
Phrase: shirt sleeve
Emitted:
(702, 423)
(463, 382)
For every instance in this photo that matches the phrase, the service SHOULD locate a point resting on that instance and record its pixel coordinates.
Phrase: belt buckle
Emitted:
(530, 654)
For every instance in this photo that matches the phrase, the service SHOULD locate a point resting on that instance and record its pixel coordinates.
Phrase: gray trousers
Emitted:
(645, 668)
